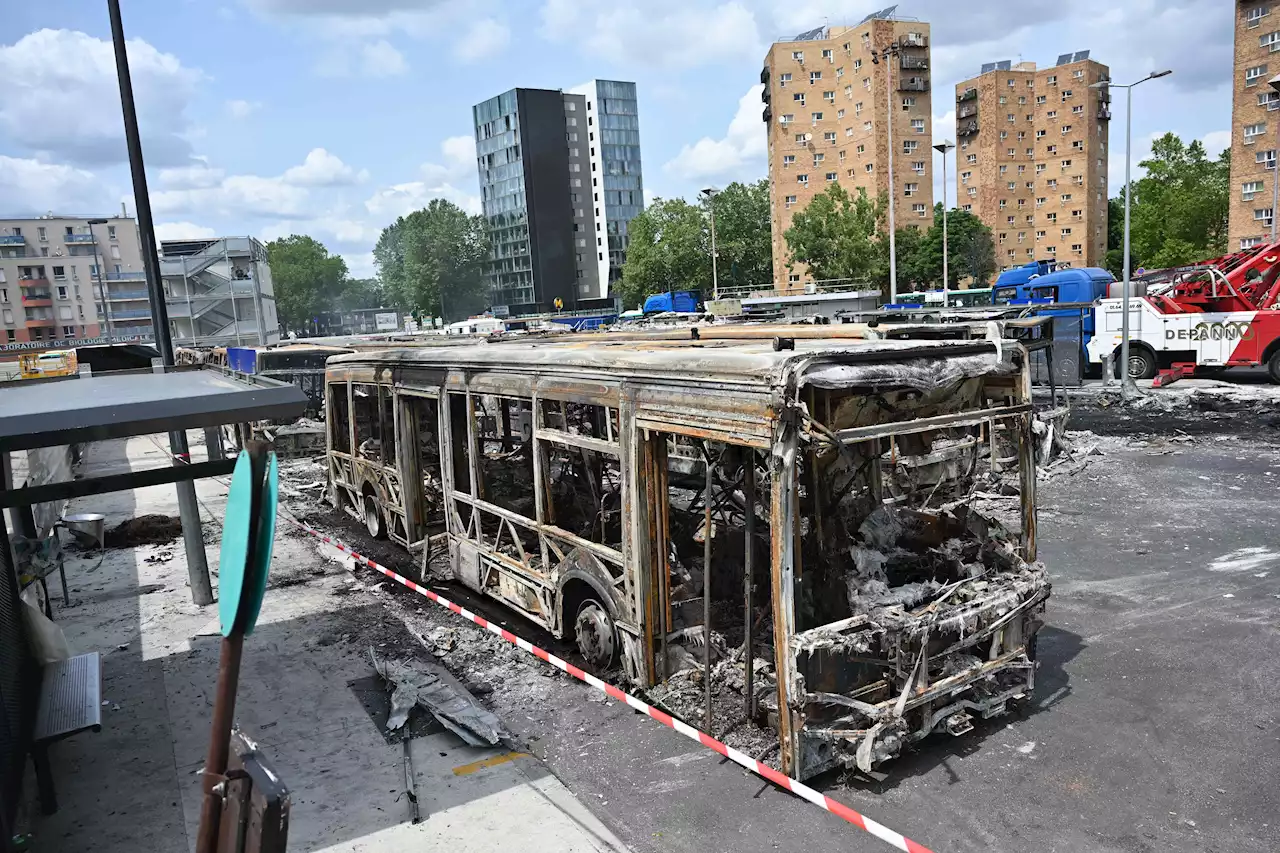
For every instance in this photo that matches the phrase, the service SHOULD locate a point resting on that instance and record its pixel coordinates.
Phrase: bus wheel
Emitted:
(373, 520)
(596, 636)
(1273, 367)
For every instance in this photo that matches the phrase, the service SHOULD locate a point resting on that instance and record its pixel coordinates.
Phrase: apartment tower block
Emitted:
(1031, 159)
(829, 96)
(1255, 123)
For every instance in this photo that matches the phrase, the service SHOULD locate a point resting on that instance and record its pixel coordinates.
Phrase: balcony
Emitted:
(767, 115)
(914, 41)
(764, 75)
(123, 295)
(128, 275)
(966, 111)
(77, 238)
(913, 84)
(1104, 114)
(40, 322)
(131, 313)
(913, 63)
(36, 297)
(969, 94)
(968, 128)
(12, 240)
(765, 96)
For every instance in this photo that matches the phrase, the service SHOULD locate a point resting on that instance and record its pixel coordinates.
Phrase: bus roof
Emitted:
(725, 359)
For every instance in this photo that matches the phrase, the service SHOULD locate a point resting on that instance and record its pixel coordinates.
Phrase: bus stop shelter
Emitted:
(80, 409)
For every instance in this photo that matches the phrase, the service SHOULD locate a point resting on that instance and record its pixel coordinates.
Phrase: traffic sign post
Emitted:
(248, 534)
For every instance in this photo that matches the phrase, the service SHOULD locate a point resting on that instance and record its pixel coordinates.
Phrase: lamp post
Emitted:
(888, 53)
(97, 266)
(943, 148)
(1127, 388)
(710, 193)
(1275, 184)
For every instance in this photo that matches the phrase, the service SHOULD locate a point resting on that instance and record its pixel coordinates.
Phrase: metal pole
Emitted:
(706, 592)
(1275, 185)
(946, 280)
(893, 238)
(715, 276)
(749, 492)
(1126, 382)
(192, 536)
(215, 764)
(102, 289)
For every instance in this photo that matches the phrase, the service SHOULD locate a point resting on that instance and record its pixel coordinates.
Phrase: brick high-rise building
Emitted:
(1254, 124)
(826, 107)
(1031, 159)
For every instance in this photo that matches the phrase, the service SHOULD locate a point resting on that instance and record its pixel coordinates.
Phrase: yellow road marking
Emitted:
(468, 769)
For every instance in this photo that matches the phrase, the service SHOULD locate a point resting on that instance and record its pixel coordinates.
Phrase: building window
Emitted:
(793, 278)
(1011, 119)
(972, 158)
(829, 97)
(1263, 216)
(1254, 74)
(910, 189)
(917, 124)
(964, 177)
(857, 108)
(815, 76)
(1004, 169)
(791, 200)
(803, 180)
(1012, 153)
(848, 131)
(1078, 145)
(831, 176)
(842, 156)
(910, 146)
(817, 117)
(787, 118)
(797, 55)
(1266, 159)
(830, 136)
(866, 83)
(1245, 243)
(1053, 149)
(1053, 183)
(1255, 15)
(784, 79)
(1003, 100)
(1066, 197)
(1039, 235)
(1040, 99)
(839, 114)
(798, 97)
(973, 192)
(918, 209)
(1066, 93)
(1066, 128)
(1271, 41)
(1066, 164)
(1004, 134)
(1078, 109)
(1051, 114)
(818, 158)
(1051, 80)
(1270, 100)
(1252, 132)
(870, 167)
(866, 126)
(908, 102)
(788, 159)
(839, 72)
(918, 167)
(1013, 185)
(862, 149)
(1022, 100)
(848, 91)
(828, 55)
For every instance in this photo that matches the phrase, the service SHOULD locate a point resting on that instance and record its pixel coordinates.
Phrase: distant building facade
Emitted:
(827, 104)
(560, 179)
(218, 292)
(1255, 122)
(1031, 158)
(56, 270)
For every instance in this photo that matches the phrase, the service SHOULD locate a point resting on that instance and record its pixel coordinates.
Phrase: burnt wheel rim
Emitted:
(372, 522)
(595, 635)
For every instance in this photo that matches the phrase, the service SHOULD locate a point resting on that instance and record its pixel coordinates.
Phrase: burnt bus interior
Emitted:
(795, 547)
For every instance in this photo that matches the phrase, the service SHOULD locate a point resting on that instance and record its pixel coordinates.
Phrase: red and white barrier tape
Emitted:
(759, 768)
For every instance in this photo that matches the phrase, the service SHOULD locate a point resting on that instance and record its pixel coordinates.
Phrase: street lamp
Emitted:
(1275, 184)
(943, 148)
(892, 50)
(710, 193)
(97, 265)
(1127, 388)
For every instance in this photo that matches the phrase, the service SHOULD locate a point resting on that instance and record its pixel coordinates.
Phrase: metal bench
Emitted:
(70, 703)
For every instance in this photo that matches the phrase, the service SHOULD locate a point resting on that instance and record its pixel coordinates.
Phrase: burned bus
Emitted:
(794, 518)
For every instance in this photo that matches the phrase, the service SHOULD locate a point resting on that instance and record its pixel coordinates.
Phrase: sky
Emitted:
(333, 117)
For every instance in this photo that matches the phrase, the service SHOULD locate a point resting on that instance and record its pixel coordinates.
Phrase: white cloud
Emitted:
(29, 186)
(458, 161)
(322, 169)
(240, 109)
(398, 200)
(380, 59)
(183, 231)
(1216, 141)
(235, 196)
(666, 34)
(360, 264)
(740, 154)
(62, 99)
(486, 37)
(199, 176)
(335, 226)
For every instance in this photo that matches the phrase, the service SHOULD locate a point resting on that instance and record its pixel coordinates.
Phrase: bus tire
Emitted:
(596, 635)
(374, 520)
(1273, 367)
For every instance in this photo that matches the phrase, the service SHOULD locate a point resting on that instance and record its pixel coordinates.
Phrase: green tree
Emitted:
(744, 244)
(970, 250)
(306, 278)
(839, 236)
(432, 261)
(669, 249)
(1179, 208)
(362, 293)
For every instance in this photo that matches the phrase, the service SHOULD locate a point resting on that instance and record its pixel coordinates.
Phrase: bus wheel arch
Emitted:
(588, 612)
(1271, 360)
(375, 520)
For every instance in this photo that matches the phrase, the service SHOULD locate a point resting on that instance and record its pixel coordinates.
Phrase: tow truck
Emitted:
(1213, 315)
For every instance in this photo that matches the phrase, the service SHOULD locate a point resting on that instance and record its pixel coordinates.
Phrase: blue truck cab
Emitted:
(1082, 285)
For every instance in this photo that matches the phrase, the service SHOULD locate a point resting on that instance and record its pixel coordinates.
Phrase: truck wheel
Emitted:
(1273, 367)
(1142, 362)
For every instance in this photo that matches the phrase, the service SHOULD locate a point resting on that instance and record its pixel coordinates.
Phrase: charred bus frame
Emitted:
(821, 487)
